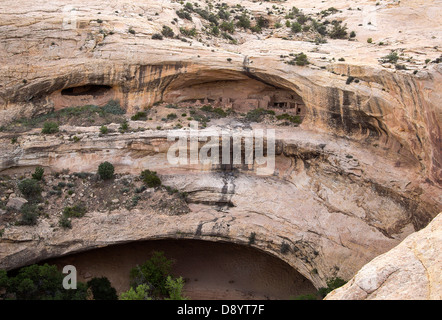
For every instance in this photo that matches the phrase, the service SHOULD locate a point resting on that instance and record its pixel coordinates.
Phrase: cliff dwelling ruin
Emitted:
(241, 96)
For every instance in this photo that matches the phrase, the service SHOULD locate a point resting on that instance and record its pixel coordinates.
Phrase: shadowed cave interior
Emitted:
(212, 270)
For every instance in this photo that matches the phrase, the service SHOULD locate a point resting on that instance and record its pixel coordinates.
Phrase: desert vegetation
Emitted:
(151, 280)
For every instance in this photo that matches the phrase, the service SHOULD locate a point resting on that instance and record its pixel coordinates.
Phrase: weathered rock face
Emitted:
(399, 109)
(361, 173)
(410, 271)
(325, 203)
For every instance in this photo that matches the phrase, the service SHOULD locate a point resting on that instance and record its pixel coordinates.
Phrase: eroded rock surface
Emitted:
(359, 174)
(410, 271)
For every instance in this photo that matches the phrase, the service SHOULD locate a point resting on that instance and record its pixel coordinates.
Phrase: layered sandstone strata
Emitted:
(360, 173)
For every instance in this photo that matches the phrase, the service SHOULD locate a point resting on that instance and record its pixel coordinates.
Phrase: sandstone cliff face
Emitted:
(326, 202)
(399, 109)
(410, 271)
(361, 173)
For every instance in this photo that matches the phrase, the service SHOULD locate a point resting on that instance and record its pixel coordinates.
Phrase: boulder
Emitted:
(16, 203)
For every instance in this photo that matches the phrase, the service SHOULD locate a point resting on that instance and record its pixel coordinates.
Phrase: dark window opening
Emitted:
(280, 104)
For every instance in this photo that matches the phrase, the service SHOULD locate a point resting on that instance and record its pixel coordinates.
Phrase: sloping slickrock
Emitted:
(410, 271)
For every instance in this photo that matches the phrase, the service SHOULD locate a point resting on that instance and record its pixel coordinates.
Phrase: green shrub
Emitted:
(227, 26)
(352, 34)
(302, 19)
(257, 115)
(339, 31)
(300, 59)
(150, 178)
(157, 36)
(113, 107)
(332, 284)
(189, 6)
(171, 116)
(124, 126)
(175, 288)
(296, 27)
(104, 130)
(167, 32)
(319, 40)
(217, 111)
(29, 188)
(65, 222)
(206, 15)
(140, 115)
(329, 11)
(41, 282)
(184, 14)
(292, 119)
(106, 170)
(207, 108)
(215, 30)
(189, 32)
(294, 11)
(102, 289)
(319, 27)
(77, 211)
(29, 215)
(220, 112)
(243, 21)
(393, 57)
(153, 272)
(231, 39)
(141, 292)
(82, 175)
(223, 14)
(50, 127)
(38, 174)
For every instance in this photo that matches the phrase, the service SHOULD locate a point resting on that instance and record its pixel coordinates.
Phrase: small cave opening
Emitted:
(86, 90)
(211, 270)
